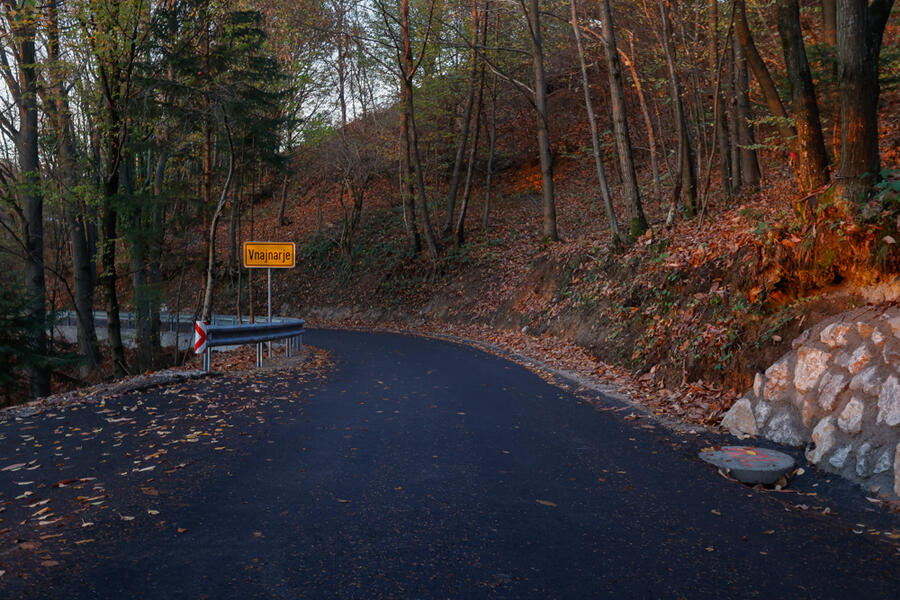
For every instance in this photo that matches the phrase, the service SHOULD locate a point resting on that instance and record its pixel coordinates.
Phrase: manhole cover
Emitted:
(750, 464)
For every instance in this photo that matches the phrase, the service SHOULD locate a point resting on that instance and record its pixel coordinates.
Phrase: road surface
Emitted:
(414, 468)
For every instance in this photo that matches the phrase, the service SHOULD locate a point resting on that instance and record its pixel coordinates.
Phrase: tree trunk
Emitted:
(731, 98)
(138, 254)
(829, 22)
(407, 70)
(630, 62)
(595, 135)
(473, 153)
(284, 187)
(407, 193)
(686, 186)
(811, 156)
(543, 133)
(637, 222)
(860, 30)
(206, 313)
(746, 138)
(233, 229)
(464, 132)
(492, 139)
(32, 202)
(108, 275)
(721, 123)
(82, 255)
(156, 249)
(761, 73)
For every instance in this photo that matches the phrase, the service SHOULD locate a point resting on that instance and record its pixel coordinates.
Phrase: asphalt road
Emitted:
(414, 468)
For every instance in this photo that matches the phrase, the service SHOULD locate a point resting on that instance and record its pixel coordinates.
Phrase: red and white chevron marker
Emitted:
(200, 337)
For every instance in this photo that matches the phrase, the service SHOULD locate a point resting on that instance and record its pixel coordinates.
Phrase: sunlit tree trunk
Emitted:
(811, 156)
(860, 29)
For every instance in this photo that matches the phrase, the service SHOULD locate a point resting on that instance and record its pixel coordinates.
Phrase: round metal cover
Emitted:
(750, 464)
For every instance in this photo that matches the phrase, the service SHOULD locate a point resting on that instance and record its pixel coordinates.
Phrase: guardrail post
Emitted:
(259, 355)
(207, 359)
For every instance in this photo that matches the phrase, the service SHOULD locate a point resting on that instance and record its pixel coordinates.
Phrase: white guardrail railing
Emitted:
(69, 318)
(223, 330)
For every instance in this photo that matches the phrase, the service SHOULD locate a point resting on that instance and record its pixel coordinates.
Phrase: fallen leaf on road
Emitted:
(126, 518)
(342, 501)
(152, 512)
(181, 530)
(710, 549)
(715, 512)
(546, 503)
(768, 531)
(49, 563)
(86, 541)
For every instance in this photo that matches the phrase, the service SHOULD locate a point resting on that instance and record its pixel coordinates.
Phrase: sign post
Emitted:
(269, 255)
(200, 342)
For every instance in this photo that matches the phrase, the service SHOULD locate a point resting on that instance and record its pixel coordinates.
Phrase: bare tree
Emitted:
(595, 134)
(21, 23)
(532, 13)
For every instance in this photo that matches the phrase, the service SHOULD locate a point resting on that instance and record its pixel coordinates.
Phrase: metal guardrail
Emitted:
(127, 319)
(291, 331)
(224, 330)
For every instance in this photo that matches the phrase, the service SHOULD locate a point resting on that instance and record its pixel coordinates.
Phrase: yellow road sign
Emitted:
(269, 255)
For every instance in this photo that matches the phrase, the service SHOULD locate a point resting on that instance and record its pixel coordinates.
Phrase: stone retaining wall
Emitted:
(838, 393)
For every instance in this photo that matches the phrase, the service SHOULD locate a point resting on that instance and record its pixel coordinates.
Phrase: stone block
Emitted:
(808, 410)
(866, 381)
(883, 463)
(778, 378)
(759, 383)
(877, 338)
(800, 340)
(863, 459)
(850, 419)
(831, 385)
(762, 410)
(897, 471)
(785, 428)
(811, 364)
(894, 323)
(739, 420)
(823, 440)
(835, 335)
(839, 458)
(889, 402)
(856, 361)
(864, 329)
(891, 352)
